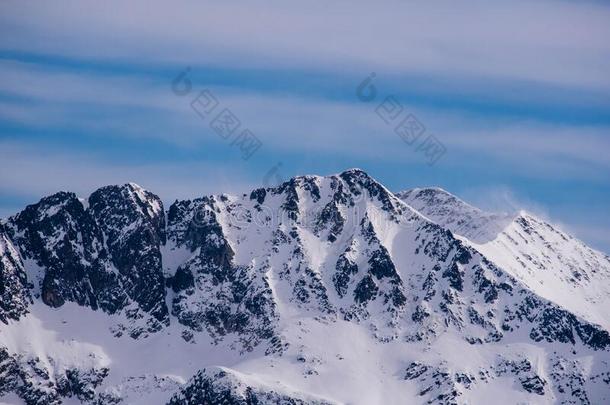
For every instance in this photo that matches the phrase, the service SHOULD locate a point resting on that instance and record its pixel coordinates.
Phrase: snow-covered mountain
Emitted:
(323, 290)
(554, 264)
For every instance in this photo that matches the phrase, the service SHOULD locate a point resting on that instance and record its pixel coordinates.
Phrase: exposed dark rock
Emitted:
(534, 385)
(345, 269)
(14, 289)
(455, 277)
(64, 239)
(221, 387)
(259, 195)
(358, 181)
(415, 370)
(133, 222)
(366, 290)
(182, 280)
(35, 384)
(212, 293)
(330, 218)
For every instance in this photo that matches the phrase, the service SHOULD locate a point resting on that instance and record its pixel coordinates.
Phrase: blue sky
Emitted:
(518, 94)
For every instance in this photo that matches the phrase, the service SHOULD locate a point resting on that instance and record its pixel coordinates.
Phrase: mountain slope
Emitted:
(554, 264)
(321, 290)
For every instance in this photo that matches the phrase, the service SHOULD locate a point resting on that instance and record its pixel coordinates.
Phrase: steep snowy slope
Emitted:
(554, 264)
(321, 290)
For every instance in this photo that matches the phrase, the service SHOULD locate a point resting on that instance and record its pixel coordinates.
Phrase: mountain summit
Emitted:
(322, 290)
(554, 264)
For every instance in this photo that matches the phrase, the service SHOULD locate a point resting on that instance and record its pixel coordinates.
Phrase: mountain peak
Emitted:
(134, 186)
(144, 200)
(354, 171)
(435, 196)
(458, 216)
(127, 188)
(555, 264)
(356, 175)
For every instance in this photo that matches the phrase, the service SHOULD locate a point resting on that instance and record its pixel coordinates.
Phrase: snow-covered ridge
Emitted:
(456, 215)
(556, 265)
(321, 290)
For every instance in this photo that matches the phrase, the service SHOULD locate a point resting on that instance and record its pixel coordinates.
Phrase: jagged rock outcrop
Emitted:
(132, 221)
(211, 291)
(103, 253)
(64, 241)
(223, 386)
(14, 289)
(37, 382)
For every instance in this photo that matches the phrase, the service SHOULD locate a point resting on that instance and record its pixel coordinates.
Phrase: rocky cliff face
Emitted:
(219, 386)
(103, 253)
(259, 275)
(132, 221)
(14, 288)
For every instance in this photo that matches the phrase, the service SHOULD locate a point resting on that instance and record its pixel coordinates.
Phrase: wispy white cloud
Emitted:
(502, 199)
(560, 42)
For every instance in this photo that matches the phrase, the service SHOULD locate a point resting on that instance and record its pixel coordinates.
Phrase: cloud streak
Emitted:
(145, 108)
(559, 42)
